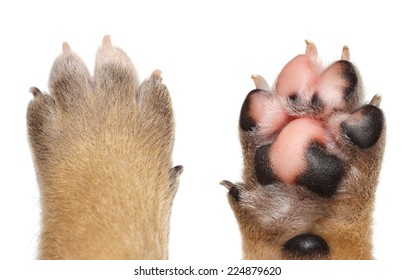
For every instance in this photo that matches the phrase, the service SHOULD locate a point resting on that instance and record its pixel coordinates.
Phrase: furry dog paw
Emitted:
(102, 148)
(312, 155)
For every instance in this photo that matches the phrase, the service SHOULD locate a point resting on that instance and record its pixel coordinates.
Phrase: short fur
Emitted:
(102, 148)
(269, 215)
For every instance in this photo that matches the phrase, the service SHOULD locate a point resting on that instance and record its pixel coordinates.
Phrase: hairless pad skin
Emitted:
(312, 153)
(293, 114)
(306, 246)
(263, 168)
(247, 119)
(323, 173)
(302, 160)
(364, 126)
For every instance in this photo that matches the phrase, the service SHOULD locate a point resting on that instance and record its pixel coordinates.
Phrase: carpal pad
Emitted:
(307, 141)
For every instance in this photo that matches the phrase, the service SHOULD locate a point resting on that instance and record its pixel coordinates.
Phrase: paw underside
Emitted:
(303, 140)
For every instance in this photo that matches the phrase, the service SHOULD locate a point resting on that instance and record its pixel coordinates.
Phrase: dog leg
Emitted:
(102, 148)
(312, 156)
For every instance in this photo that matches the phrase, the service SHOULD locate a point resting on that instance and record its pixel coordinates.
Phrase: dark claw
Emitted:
(176, 170)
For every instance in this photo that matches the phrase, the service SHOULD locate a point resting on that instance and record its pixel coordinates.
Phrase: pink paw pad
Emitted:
(289, 122)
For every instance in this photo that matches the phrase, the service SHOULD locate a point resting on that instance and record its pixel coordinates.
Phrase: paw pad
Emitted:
(312, 155)
(291, 123)
(306, 246)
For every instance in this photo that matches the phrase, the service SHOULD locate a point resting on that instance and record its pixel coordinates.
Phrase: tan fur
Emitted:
(102, 150)
(269, 216)
(344, 221)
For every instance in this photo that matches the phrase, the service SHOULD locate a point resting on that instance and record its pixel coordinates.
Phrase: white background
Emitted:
(207, 51)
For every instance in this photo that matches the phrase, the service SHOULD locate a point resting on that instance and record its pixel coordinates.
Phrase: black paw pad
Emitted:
(246, 121)
(263, 169)
(364, 127)
(306, 246)
(324, 171)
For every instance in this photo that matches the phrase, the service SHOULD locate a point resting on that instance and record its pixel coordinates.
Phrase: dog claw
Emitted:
(66, 48)
(106, 41)
(345, 53)
(376, 100)
(35, 91)
(260, 82)
(227, 184)
(311, 49)
(156, 74)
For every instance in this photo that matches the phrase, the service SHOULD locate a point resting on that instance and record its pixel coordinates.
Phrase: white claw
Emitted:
(156, 74)
(66, 48)
(311, 49)
(260, 82)
(346, 53)
(106, 41)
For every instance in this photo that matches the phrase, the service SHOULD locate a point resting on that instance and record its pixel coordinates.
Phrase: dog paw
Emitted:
(312, 154)
(102, 147)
